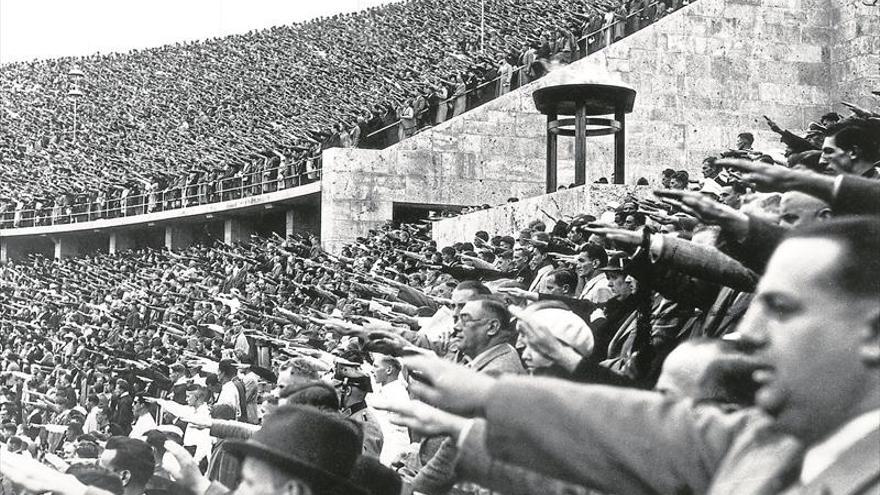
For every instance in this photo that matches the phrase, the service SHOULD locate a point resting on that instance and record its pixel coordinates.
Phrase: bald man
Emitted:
(797, 208)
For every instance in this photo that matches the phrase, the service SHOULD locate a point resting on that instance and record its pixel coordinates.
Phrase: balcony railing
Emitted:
(489, 90)
(192, 194)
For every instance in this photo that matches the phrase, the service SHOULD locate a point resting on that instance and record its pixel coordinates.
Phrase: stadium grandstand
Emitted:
(711, 327)
(200, 122)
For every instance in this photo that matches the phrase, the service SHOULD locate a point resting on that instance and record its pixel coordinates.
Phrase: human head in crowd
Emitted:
(132, 460)
(797, 209)
(679, 180)
(537, 226)
(591, 258)
(482, 323)
(520, 258)
(481, 238)
(142, 407)
(299, 370)
(666, 178)
(829, 119)
(87, 449)
(745, 140)
(7, 431)
(448, 255)
(353, 386)
(709, 169)
(633, 221)
(816, 320)
(732, 194)
(807, 160)
(688, 371)
(122, 387)
(560, 282)
(565, 326)
(299, 450)
(375, 478)
(197, 395)
(387, 370)
(619, 282)
(539, 257)
(317, 394)
(467, 291)
(851, 147)
(227, 370)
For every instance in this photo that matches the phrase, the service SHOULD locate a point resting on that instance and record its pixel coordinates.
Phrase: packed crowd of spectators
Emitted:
(721, 337)
(194, 123)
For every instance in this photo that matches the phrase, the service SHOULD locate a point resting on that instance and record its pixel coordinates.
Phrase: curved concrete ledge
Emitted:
(242, 205)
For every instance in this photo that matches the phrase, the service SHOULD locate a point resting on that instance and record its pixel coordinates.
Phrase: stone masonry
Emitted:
(703, 74)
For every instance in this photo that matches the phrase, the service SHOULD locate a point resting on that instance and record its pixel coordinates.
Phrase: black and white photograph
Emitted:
(440, 247)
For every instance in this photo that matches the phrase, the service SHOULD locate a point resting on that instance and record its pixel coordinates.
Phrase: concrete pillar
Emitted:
(580, 144)
(302, 218)
(620, 149)
(120, 241)
(236, 230)
(178, 237)
(65, 247)
(5, 248)
(552, 155)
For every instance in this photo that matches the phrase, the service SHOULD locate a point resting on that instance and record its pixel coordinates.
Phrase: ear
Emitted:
(494, 328)
(824, 214)
(869, 342)
(855, 153)
(296, 487)
(125, 476)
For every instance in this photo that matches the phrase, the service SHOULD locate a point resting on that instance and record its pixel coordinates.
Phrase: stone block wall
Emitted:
(510, 218)
(702, 75)
(855, 52)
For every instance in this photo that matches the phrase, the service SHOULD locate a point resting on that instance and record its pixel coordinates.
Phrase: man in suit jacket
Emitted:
(816, 324)
(541, 265)
(121, 405)
(485, 333)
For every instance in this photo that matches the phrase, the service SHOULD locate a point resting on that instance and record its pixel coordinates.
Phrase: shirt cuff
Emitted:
(656, 251)
(835, 191)
(462, 436)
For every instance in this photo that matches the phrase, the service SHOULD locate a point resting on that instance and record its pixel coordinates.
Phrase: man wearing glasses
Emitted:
(485, 337)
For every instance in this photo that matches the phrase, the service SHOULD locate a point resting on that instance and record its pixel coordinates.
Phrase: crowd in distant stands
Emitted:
(662, 336)
(194, 123)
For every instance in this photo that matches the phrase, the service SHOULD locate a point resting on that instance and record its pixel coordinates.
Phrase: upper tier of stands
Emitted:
(199, 122)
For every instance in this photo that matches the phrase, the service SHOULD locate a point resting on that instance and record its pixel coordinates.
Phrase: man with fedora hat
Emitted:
(299, 450)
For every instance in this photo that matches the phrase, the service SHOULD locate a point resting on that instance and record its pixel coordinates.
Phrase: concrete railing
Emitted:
(510, 218)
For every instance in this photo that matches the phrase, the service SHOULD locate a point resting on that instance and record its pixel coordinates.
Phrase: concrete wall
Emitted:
(703, 74)
(509, 219)
(855, 52)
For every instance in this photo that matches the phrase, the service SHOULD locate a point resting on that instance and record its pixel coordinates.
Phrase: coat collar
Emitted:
(485, 358)
(856, 469)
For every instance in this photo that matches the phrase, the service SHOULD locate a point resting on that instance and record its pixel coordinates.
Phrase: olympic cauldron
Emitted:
(586, 107)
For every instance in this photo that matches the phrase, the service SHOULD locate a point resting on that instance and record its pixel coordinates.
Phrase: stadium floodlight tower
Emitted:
(589, 103)
(75, 75)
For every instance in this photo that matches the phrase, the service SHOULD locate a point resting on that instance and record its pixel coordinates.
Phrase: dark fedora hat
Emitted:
(308, 444)
(616, 263)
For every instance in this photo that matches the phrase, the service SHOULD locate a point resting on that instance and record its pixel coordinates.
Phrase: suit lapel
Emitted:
(856, 469)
